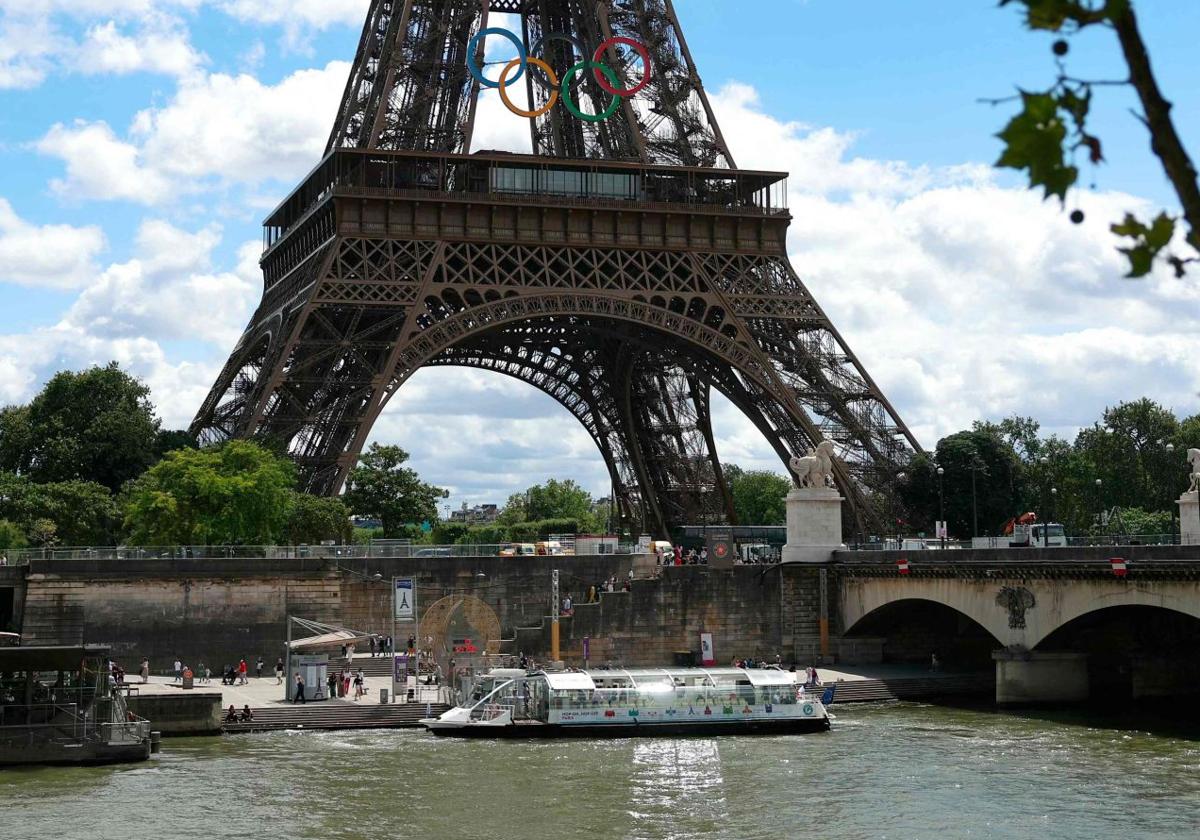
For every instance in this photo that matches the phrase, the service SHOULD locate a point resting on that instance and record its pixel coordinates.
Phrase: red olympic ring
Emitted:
(640, 49)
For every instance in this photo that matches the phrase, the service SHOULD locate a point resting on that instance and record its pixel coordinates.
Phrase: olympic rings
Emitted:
(553, 90)
(473, 45)
(640, 49)
(566, 91)
(605, 76)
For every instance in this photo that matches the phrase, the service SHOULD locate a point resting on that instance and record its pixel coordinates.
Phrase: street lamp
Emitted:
(941, 506)
(974, 502)
(1045, 461)
(1100, 504)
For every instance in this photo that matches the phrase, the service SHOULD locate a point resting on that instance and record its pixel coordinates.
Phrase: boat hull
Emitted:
(794, 726)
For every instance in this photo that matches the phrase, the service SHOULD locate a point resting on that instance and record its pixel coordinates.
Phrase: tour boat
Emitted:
(512, 703)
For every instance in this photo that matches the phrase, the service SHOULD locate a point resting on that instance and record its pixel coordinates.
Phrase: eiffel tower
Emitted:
(626, 268)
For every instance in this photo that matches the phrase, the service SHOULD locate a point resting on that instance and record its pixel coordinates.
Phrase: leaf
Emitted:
(1054, 15)
(1095, 154)
(1149, 240)
(1034, 142)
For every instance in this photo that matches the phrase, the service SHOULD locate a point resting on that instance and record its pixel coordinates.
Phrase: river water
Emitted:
(886, 771)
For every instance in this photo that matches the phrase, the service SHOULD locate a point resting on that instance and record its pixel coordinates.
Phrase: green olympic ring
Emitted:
(566, 91)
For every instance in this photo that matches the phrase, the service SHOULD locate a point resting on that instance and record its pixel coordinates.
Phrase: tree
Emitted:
(1053, 124)
(11, 535)
(553, 500)
(315, 519)
(168, 440)
(97, 425)
(235, 494)
(382, 488)
(14, 437)
(81, 512)
(758, 495)
(980, 456)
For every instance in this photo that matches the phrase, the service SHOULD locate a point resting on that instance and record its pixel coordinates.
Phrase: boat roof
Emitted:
(48, 657)
(585, 680)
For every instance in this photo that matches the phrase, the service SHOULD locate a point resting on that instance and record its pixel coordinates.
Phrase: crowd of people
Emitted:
(679, 557)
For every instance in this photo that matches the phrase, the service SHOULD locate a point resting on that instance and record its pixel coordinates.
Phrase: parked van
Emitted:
(519, 550)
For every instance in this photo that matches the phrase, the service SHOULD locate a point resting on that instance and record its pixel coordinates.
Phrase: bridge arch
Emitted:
(912, 630)
(1084, 598)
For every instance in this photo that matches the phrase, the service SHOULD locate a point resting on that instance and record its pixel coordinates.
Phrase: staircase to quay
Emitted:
(910, 688)
(326, 715)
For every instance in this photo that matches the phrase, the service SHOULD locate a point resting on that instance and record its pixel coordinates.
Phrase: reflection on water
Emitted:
(895, 771)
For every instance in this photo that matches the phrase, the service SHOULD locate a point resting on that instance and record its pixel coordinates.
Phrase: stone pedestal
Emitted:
(1189, 518)
(1025, 677)
(814, 524)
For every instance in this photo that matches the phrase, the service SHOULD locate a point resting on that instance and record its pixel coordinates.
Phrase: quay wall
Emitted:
(186, 713)
(218, 610)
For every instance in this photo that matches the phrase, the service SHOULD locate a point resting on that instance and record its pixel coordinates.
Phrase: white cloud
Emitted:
(218, 129)
(966, 300)
(100, 165)
(299, 17)
(27, 49)
(169, 292)
(47, 256)
(158, 48)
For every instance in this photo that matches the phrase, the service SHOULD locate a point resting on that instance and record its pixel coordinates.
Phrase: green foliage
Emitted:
(1148, 243)
(1056, 15)
(449, 533)
(1034, 142)
(1136, 521)
(1037, 140)
(542, 528)
(363, 536)
(485, 535)
(168, 440)
(758, 495)
(1126, 450)
(80, 512)
(43, 533)
(382, 488)
(97, 425)
(11, 535)
(235, 494)
(553, 500)
(315, 519)
(14, 437)
(998, 483)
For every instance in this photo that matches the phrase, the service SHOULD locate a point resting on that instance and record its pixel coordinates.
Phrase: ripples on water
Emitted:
(899, 771)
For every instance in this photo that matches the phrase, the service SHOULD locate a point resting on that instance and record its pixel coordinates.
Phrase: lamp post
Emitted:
(1100, 504)
(1171, 448)
(1045, 462)
(974, 503)
(942, 506)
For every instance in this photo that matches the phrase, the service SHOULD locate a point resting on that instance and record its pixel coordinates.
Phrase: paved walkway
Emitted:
(257, 693)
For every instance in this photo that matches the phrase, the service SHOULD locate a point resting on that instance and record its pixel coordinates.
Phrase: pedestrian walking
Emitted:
(178, 671)
(144, 670)
(299, 696)
(258, 666)
(412, 645)
(333, 685)
(279, 671)
(371, 641)
(242, 669)
(359, 691)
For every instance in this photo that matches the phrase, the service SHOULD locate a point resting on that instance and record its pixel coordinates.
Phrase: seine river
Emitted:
(894, 771)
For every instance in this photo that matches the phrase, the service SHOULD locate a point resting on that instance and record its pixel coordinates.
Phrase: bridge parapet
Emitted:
(1161, 562)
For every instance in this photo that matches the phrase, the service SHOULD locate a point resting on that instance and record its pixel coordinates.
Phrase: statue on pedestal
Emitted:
(816, 468)
(1194, 461)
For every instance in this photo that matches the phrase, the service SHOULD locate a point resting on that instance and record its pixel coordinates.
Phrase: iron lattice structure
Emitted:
(627, 268)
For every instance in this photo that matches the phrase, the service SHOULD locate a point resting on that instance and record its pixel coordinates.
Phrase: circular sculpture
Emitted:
(606, 77)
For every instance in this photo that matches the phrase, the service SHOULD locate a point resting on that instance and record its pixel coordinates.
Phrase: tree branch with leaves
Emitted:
(1052, 127)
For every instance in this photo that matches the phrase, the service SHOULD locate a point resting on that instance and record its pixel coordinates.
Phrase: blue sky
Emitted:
(142, 142)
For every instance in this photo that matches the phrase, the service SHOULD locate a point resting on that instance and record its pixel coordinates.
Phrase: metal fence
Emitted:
(922, 544)
(381, 550)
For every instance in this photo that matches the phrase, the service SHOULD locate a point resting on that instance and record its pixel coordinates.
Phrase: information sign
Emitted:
(404, 599)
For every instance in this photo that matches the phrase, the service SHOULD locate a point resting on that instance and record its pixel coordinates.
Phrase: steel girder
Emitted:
(351, 308)
(409, 87)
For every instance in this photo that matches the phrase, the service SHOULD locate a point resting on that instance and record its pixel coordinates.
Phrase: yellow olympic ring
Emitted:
(516, 62)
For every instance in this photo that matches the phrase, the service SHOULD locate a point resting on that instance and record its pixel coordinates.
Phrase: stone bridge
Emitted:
(1050, 617)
